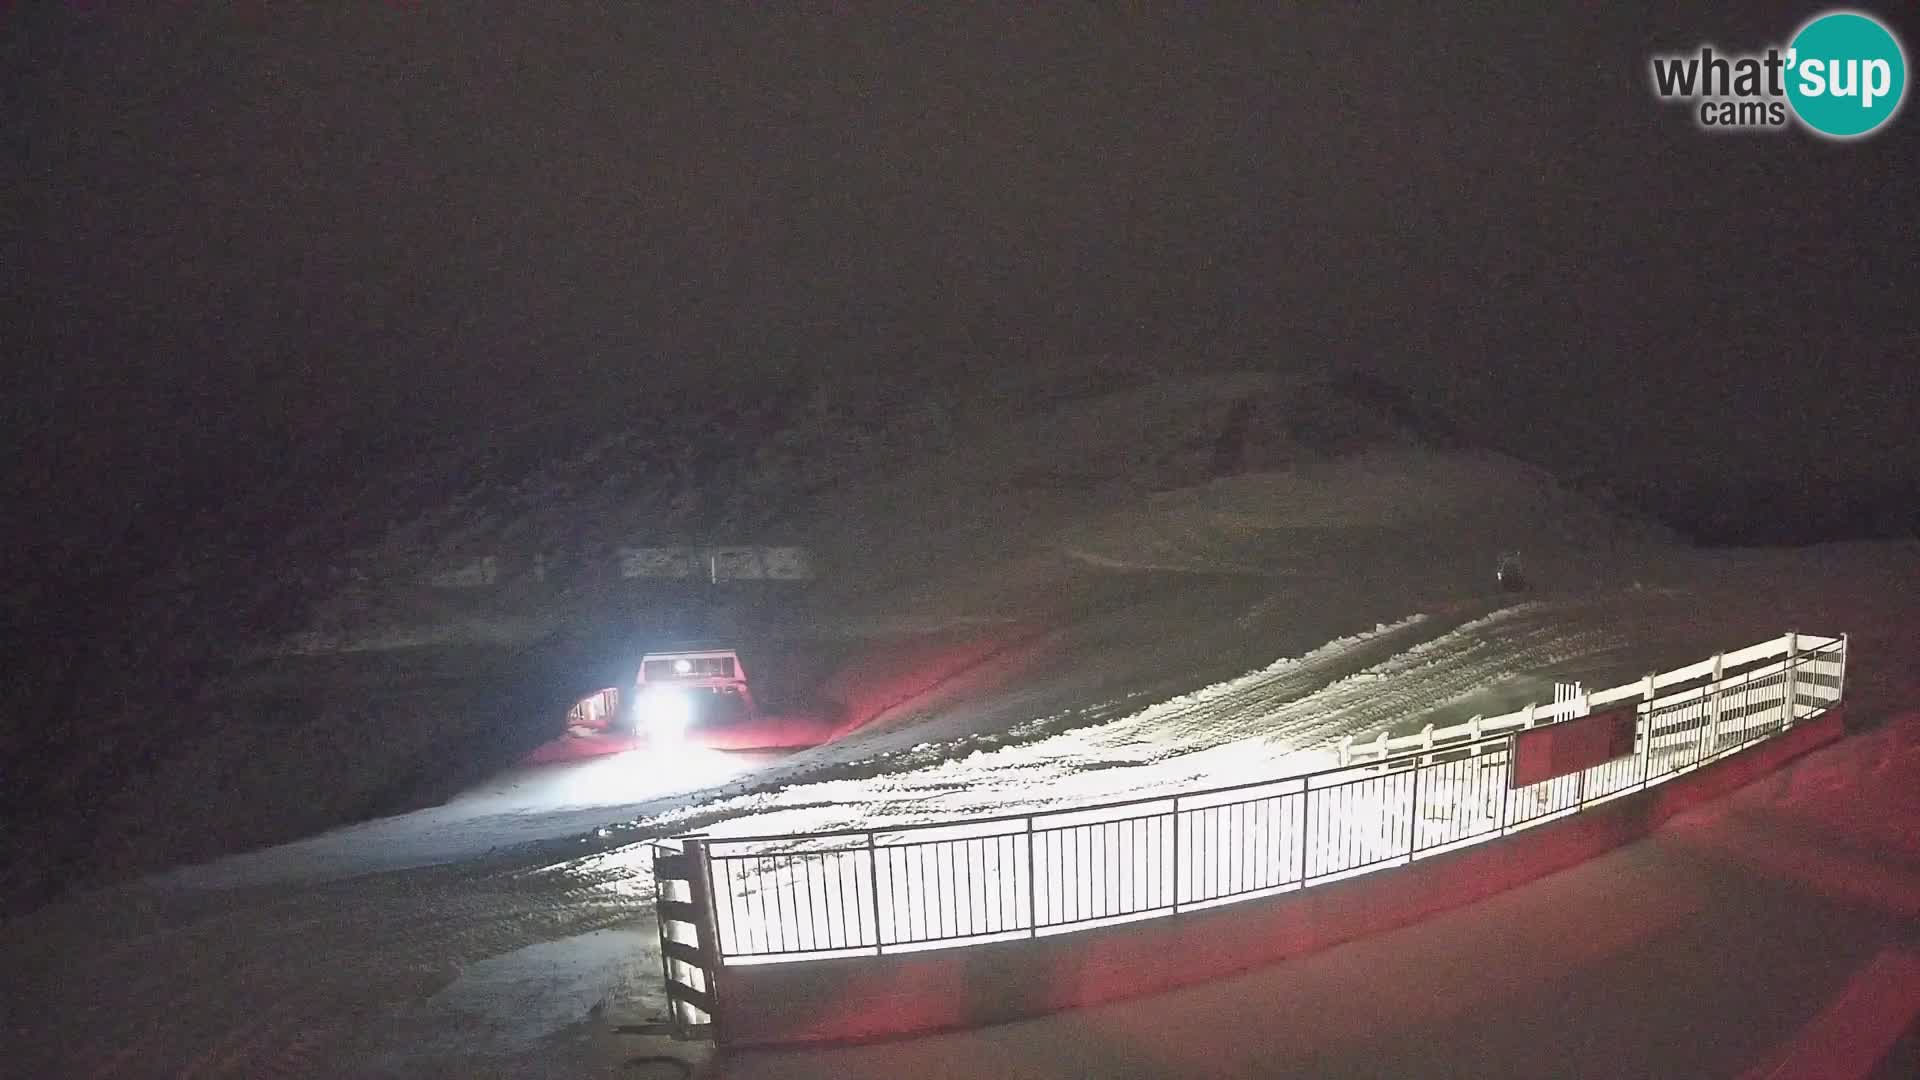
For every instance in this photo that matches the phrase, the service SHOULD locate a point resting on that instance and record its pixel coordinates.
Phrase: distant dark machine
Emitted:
(687, 694)
(594, 714)
(1508, 573)
(1230, 446)
(674, 697)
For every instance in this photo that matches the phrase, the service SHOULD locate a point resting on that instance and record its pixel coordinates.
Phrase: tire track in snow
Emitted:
(262, 981)
(1257, 734)
(1263, 724)
(1281, 679)
(850, 784)
(282, 980)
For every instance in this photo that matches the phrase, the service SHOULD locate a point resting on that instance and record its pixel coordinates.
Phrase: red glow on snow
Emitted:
(1853, 1034)
(866, 688)
(896, 674)
(872, 997)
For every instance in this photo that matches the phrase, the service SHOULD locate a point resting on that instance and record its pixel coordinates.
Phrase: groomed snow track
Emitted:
(276, 973)
(1247, 727)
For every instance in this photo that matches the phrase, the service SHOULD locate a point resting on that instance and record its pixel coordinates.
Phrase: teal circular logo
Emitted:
(1846, 74)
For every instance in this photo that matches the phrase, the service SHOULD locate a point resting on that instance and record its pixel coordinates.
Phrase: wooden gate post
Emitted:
(694, 1002)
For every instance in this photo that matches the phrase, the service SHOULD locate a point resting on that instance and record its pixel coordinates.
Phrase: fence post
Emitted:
(1793, 659)
(1413, 805)
(707, 930)
(1526, 715)
(660, 924)
(1713, 706)
(1033, 885)
(873, 891)
(1840, 691)
(1644, 726)
(1582, 706)
(1176, 854)
(1306, 820)
(1580, 778)
(1426, 739)
(1506, 785)
(1346, 750)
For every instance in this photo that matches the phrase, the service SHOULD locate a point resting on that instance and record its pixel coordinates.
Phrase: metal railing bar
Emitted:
(1129, 865)
(1351, 856)
(1056, 923)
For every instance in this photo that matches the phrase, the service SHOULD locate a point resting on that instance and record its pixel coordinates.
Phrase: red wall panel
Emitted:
(1572, 745)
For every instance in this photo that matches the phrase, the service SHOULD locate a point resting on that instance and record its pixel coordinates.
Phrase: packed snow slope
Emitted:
(233, 702)
(452, 942)
(1230, 619)
(1771, 933)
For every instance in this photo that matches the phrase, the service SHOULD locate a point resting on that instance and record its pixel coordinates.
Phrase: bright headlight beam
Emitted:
(665, 714)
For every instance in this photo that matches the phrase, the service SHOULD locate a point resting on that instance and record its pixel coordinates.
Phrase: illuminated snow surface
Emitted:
(495, 935)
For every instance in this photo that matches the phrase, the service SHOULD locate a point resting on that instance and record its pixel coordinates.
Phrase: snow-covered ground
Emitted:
(1229, 631)
(1768, 934)
(324, 957)
(1100, 508)
(1269, 722)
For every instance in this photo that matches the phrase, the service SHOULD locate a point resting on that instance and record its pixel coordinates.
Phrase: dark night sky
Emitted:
(282, 241)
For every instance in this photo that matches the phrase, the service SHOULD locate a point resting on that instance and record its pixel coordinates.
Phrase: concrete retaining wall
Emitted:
(875, 997)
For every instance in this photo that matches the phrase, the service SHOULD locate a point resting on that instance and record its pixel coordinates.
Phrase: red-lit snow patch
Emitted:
(578, 748)
(887, 680)
(1852, 1036)
(901, 676)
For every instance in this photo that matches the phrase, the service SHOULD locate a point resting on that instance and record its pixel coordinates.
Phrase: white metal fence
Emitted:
(1392, 801)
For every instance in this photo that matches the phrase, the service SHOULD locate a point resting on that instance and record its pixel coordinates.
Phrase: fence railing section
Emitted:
(1394, 801)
